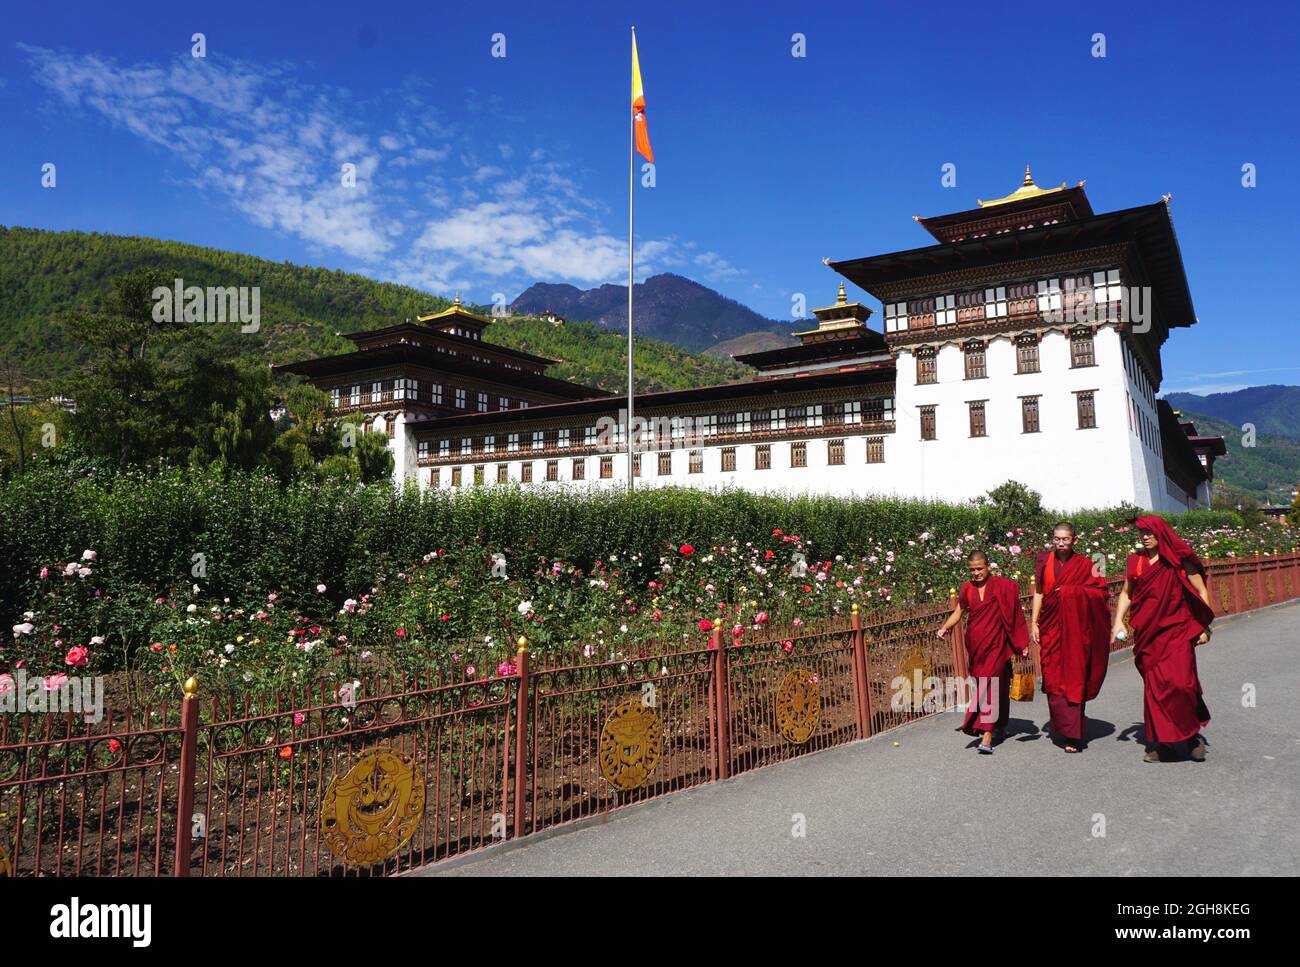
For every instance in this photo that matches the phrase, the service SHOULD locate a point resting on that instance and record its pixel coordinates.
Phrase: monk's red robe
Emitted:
(995, 629)
(1073, 638)
(1167, 616)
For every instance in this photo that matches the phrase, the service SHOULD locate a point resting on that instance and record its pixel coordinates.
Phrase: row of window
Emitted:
(1082, 353)
(578, 467)
(1145, 427)
(1137, 375)
(1085, 407)
(420, 391)
(1101, 288)
(674, 431)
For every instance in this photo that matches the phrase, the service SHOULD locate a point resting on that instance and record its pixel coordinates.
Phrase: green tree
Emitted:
(122, 406)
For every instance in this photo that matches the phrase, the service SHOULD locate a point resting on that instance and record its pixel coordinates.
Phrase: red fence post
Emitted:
(868, 715)
(185, 782)
(958, 642)
(720, 690)
(521, 738)
(859, 675)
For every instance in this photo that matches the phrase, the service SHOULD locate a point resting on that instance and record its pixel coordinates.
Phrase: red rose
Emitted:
(686, 550)
(706, 625)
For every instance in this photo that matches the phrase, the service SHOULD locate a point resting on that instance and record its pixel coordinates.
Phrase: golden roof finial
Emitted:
(456, 301)
(842, 298)
(1027, 189)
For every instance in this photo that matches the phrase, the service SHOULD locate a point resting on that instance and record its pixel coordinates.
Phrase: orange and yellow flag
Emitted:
(638, 108)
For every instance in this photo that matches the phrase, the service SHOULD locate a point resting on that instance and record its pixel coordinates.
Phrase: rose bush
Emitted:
(458, 617)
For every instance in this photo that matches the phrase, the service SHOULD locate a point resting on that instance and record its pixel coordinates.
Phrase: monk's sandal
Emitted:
(1197, 750)
(1153, 754)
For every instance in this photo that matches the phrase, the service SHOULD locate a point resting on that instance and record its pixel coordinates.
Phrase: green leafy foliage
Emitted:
(49, 275)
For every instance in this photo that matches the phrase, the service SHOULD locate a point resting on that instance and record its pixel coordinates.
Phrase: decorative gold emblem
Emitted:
(913, 662)
(798, 705)
(370, 813)
(6, 868)
(630, 745)
(1223, 598)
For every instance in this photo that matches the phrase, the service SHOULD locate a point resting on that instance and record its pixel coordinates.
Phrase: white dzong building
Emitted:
(1024, 344)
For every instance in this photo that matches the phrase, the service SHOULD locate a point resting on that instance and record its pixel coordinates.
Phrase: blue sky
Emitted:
(486, 174)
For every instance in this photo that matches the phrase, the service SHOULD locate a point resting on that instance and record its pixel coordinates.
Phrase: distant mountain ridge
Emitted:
(1273, 409)
(1267, 471)
(666, 306)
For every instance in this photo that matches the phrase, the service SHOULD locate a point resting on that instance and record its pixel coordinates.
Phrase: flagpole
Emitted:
(631, 179)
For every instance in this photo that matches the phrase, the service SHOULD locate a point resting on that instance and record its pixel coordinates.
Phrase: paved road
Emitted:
(931, 806)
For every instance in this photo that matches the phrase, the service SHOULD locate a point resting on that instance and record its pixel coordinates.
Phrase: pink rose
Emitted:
(6, 682)
(45, 572)
(299, 718)
(77, 656)
(470, 671)
(55, 682)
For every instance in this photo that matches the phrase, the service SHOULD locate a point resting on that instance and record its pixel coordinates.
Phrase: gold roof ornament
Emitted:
(842, 315)
(1027, 189)
(457, 309)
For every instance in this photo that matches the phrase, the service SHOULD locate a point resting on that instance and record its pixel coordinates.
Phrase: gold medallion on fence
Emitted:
(630, 745)
(798, 705)
(1223, 598)
(912, 663)
(371, 813)
(6, 868)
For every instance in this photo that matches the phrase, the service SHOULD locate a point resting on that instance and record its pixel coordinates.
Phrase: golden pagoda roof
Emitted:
(842, 315)
(1026, 190)
(454, 311)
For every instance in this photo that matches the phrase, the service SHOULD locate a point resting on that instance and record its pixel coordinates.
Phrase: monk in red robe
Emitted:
(994, 631)
(1169, 609)
(1071, 624)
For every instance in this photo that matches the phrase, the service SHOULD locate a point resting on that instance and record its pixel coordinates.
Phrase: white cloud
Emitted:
(716, 267)
(273, 147)
(245, 136)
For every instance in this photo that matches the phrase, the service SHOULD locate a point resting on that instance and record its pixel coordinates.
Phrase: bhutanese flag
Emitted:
(638, 108)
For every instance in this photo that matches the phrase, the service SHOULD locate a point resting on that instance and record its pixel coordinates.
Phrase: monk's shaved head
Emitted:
(974, 556)
(1065, 524)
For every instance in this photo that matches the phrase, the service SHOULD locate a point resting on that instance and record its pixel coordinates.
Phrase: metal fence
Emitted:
(411, 772)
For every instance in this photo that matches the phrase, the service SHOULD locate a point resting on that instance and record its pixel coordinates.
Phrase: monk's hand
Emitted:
(941, 633)
(1205, 636)
(1033, 632)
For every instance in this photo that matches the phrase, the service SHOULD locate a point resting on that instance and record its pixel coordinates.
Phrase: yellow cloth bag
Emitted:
(1022, 686)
